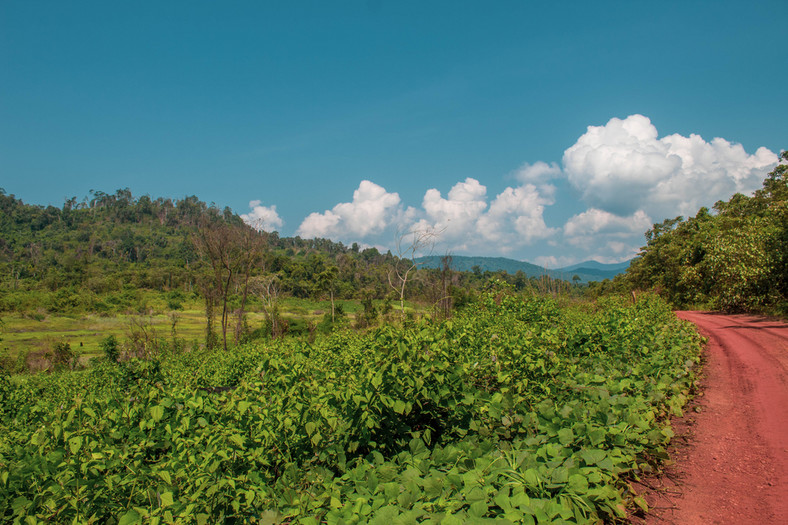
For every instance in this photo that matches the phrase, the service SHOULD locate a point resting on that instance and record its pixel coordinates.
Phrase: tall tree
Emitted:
(253, 244)
(222, 246)
(327, 282)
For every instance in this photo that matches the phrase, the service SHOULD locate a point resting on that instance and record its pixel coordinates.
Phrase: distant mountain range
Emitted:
(587, 271)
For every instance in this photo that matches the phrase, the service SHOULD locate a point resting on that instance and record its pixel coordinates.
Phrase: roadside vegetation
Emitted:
(734, 258)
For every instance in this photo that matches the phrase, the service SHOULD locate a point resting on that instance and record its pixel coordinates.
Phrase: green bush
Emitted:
(63, 357)
(110, 348)
(174, 304)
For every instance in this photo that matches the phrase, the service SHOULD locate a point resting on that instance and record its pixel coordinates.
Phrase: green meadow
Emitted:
(22, 333)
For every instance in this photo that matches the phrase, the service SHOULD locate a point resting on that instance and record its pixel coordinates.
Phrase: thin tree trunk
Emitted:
(225, 316)
(239, 325)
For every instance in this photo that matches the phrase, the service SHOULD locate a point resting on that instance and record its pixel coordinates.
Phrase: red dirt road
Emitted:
(731, 448)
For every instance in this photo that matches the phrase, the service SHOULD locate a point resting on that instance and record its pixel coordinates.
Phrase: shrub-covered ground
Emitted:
(514, 411)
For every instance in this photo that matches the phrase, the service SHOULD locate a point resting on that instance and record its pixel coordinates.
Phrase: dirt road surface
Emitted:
(731, 447)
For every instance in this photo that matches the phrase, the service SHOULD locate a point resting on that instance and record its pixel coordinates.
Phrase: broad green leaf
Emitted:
(478, 509)
(74, 444)
(592, 456)
(578, 484)
(157, 412)
(566, 436)
(166, 499)
(19, 504)
(131, 517)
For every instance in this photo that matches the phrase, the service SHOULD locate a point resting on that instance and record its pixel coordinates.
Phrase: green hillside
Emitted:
(189, 263)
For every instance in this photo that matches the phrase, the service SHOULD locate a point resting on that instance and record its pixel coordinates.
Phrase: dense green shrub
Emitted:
(515, 410)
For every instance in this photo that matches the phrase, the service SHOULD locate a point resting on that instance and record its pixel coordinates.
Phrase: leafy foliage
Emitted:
(516, 410)
(734, 260)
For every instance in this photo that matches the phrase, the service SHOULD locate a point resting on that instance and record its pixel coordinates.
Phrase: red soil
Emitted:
(731, 448)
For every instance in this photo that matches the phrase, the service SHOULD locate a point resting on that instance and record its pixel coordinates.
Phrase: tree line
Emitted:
(733, 257)
(95, 255)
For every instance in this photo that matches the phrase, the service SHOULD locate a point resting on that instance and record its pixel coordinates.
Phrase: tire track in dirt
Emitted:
(731, 455)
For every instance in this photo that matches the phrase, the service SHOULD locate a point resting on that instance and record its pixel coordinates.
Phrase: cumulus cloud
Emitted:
(370, 212)
(467, 222)
(262, 217)
(627, 176)
(602, 233)
(623, 167)
(464, 220)
(516, 218)
(595, 222)
(552, 262)
(538, 172)
(458, 213)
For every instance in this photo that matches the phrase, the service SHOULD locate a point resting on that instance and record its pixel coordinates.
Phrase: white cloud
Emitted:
(538, 172)
(463, 220)
(467, 223)
(626, 174)
(595, 222)
(623, 167)
(516, 218)
(457, 214)
(370, 212)
(551, 262)
(262, 217)
(600, 233)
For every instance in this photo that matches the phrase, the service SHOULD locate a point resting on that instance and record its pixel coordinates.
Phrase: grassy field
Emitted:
(26, 332)
(84, 332)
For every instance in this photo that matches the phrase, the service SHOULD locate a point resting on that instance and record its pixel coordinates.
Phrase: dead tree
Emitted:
(267, 289)
(443, 284)
(221, 245)
(253, 244)
(405, 265)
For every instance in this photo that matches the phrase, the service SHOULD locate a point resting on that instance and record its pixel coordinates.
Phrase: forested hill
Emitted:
(111, 243)
(585, 272)
(101, 243)
(96, 254)
(733, 259)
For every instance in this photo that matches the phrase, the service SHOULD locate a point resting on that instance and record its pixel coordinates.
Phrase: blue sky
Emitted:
(548, 132)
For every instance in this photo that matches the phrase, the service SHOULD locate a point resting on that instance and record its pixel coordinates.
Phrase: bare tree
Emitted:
(443, 300)
(227, 250)
(253, 244)
(209, 293)
(403, 269)
(267, 289)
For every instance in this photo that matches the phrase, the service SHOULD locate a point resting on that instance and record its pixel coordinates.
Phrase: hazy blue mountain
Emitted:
(587, 271)
(598, 266)
(493, 264)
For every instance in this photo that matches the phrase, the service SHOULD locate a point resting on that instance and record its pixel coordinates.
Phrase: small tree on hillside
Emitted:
(267, 288)
(231, 251)
(403, 269)
(253, 244)
(326, 280)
